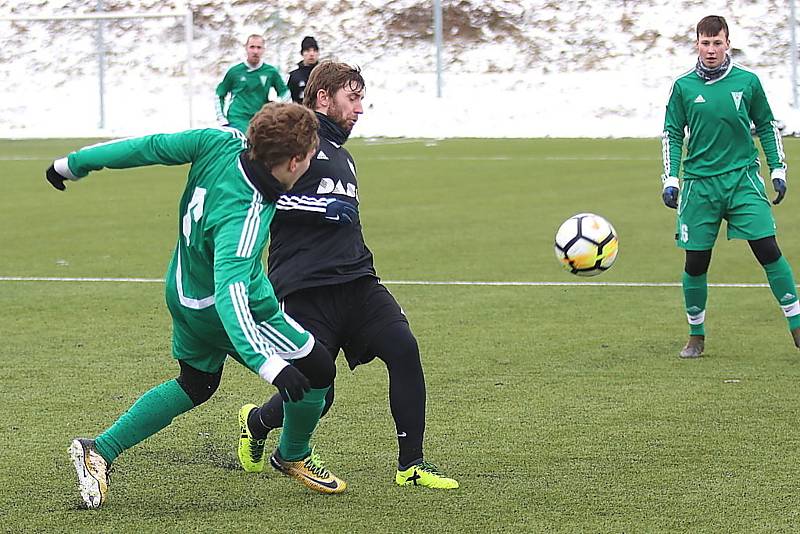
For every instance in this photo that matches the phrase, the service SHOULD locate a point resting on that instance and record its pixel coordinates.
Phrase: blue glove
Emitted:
(341, 212)
(670, 192)
(670, 197)
(779, 184)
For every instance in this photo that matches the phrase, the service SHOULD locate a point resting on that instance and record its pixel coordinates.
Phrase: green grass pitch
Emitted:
(558, 408)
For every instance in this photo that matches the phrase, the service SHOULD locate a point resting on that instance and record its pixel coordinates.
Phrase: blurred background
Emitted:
(528, 68)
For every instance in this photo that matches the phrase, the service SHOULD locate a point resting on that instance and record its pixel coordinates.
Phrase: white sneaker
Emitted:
(92, 470)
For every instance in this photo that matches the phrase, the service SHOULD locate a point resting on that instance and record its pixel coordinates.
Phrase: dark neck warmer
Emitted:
(712, 74)
(330, 130)
(258, 174)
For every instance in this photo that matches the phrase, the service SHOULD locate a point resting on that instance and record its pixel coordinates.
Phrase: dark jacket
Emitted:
(298, 79)
(307, 250)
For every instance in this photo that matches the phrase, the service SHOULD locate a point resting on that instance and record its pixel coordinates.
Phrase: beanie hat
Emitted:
(308, 42)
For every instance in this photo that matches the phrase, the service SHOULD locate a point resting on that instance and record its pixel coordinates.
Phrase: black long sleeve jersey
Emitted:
(298, 79)
(306, 250)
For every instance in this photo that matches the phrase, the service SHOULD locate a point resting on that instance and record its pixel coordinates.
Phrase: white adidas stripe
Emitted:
(304, 203)
(246, 323)
(276, 338)
(250, 229)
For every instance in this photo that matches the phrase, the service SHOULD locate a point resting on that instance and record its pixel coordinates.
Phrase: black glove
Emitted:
(670, 197)
(55, 179)
(779, 185)
(341, 212)
(291, 384)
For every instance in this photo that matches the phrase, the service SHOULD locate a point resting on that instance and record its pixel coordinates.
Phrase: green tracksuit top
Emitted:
(249, 89)
(223, 227)
(716, 117)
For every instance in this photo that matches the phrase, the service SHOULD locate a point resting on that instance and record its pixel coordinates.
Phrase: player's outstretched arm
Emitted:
(159, 149)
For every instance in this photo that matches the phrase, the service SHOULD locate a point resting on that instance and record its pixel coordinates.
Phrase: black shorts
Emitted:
(345, 316)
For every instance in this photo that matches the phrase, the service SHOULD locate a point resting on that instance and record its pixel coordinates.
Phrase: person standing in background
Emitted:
(248, 85)
(298, 78)
(716, 102)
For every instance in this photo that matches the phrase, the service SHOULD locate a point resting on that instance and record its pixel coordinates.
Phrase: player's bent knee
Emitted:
(395, 345)
(697, 262)
(198, 385)
(766, 250)
(318, 366)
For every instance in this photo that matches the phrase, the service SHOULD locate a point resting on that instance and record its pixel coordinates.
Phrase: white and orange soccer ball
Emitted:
(586, 244)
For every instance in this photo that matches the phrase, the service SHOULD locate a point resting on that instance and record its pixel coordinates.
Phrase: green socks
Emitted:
(150, 413)
(695, 295)
(781, 281)
(299, 421)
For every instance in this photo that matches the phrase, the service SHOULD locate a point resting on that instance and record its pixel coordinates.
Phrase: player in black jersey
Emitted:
(298, 78)
(323, 274)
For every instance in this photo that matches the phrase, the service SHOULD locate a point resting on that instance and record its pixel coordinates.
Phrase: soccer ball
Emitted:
(586, 244)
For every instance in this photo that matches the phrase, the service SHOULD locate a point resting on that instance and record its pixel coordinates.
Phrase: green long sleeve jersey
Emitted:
(223, 228)
(714, 117)
(249, 90)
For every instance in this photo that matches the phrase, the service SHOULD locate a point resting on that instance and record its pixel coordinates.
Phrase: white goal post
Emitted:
(187, 17)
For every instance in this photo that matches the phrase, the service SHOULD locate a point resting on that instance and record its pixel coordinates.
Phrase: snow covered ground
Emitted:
(492, 89)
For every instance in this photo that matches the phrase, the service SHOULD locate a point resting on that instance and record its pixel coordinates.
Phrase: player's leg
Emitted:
(700, 209)
(294, 456)
(261, 420)
(781, 281)
(380, 329)
(695, 295)
(153, 411)
(751, 219)
(316, 310)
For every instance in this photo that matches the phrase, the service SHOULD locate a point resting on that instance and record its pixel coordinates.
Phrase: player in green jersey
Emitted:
(218, 295)
(248, 85)
(712, 106)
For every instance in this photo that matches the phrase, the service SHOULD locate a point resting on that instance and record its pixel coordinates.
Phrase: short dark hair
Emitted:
(281, 131)
(711, 26)
(331, 76)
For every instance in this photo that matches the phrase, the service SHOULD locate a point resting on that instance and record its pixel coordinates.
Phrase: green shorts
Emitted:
(199, 339)
(739, 197)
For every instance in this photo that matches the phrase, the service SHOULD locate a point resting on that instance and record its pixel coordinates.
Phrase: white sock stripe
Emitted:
(790, 310)
(700, 318)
